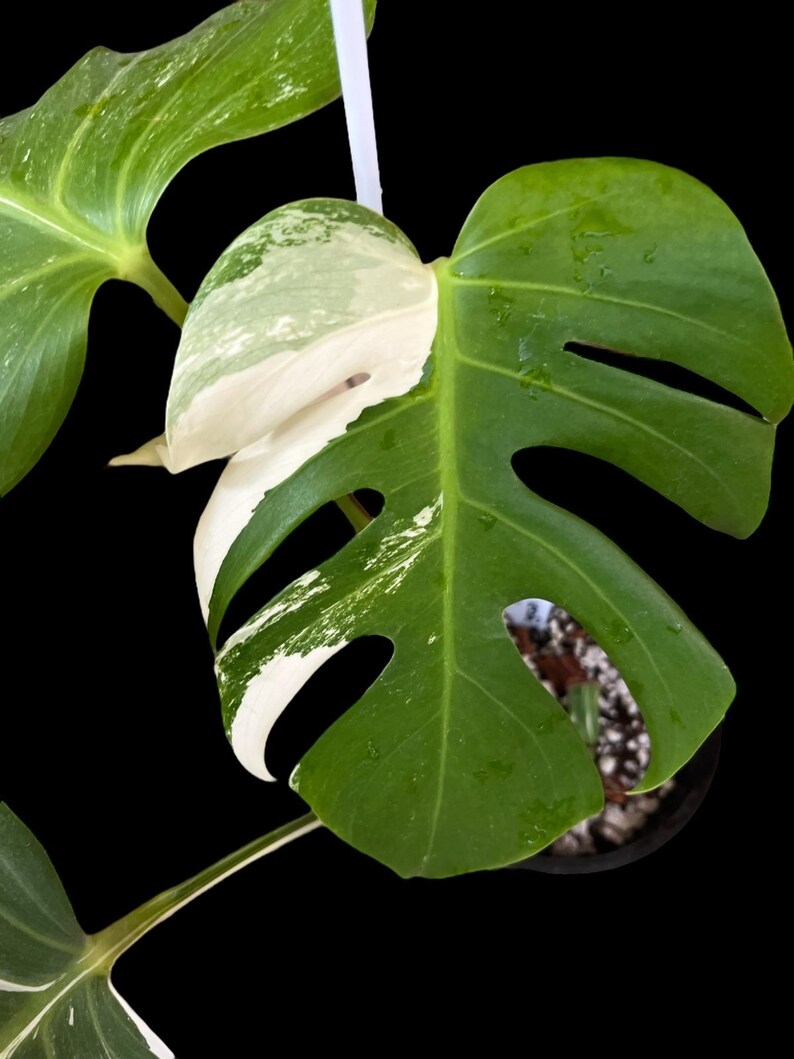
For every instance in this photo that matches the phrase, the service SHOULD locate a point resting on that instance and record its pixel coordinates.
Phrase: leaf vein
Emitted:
(615, 413)
(456, 258)
(523, 531)
(8, 289)
(629, 303)
(534, 736)
(79, 133)
(95, 1019)
(34, 214)
(36, 935)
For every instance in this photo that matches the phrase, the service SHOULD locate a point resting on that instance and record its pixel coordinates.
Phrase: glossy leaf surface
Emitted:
(456, 758)
(82, 170)
(56, 999)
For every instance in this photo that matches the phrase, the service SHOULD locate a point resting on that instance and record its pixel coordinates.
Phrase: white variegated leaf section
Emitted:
(156, 1045)
(152, 453)
(316, 293)
(277, 677)
(19, 987)
(267, 696)
(311, 295)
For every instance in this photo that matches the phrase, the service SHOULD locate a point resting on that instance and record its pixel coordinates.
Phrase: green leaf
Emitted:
(583, 707)
(456, 758)
(82, 170)
(56, 998)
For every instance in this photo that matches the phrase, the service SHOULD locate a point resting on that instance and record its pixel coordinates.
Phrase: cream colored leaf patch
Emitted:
(257, 687)
(269, 693)
(313, 294)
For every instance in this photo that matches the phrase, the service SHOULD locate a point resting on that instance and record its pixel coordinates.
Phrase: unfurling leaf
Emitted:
(456, 758)
(274, 329)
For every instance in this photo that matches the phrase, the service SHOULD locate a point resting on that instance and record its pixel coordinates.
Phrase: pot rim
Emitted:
(695, 779)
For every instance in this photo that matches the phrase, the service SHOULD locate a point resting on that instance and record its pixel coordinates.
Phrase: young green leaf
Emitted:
(582, 703)
(456, 758)
(82, 170)
(56, 998)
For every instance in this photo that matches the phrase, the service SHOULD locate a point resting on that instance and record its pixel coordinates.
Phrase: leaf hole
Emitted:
(662, 371)
(638, 519)
(371, 500)
(316, 540)
(567, 661)
(608, 497)
(325, 696)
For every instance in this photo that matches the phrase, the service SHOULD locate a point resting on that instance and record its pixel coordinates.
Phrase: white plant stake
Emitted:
(351, 50)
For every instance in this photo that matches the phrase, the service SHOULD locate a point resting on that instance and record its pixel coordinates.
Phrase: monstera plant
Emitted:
(456, 758)
(466, 363)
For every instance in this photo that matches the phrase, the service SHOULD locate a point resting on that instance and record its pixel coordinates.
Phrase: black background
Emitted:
(112, 748)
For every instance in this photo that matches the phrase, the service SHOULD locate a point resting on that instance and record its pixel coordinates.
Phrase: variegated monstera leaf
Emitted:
(82, 170)
(456, 758)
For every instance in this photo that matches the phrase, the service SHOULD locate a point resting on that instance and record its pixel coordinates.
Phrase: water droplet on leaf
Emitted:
(500, 305)
(618, 632)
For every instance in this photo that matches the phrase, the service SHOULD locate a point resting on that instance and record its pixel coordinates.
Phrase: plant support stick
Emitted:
(351, 50)
(350, 34)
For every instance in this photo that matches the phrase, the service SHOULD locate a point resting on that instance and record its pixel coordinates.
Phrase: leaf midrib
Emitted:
(446, 355)
(63, 224)
(444, 351)
(77, 972)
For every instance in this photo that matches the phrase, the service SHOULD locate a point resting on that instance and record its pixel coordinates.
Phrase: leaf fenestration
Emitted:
(275, 328)
(456, 758)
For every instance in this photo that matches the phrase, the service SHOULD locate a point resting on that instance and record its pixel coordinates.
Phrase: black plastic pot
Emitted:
(692, 784)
